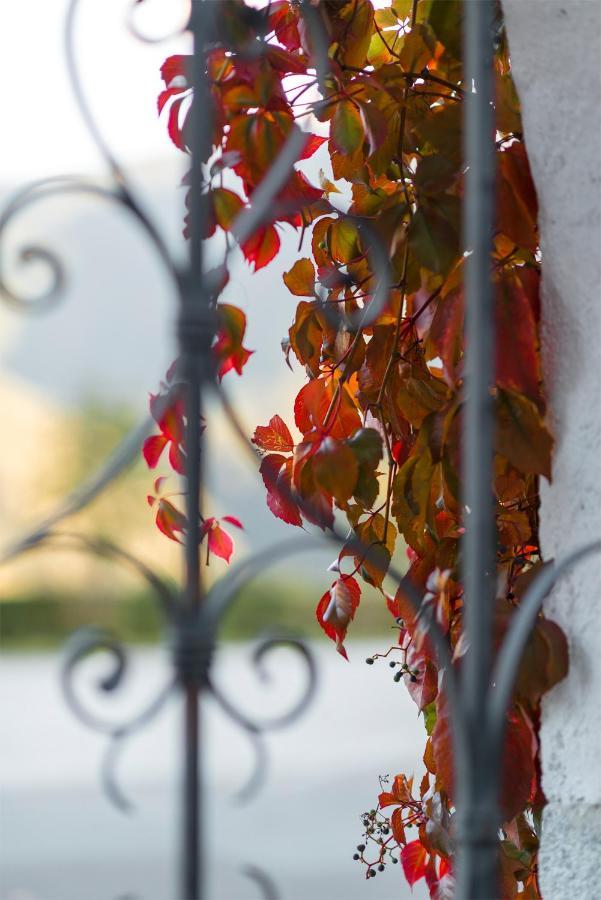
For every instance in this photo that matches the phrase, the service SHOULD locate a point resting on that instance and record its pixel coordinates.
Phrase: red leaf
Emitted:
(166, 95)
(286, 63)
(517, 361)
(413, 858)
(401, 792)
(173, 126)
(312, 403)
(274, 436)
(152, 448)
(228, 347)
(283, 19)
(276, 472)
(220, 543)
(398, 828)
(314, 142)
(261, 248)
(423, 684)
(519, 774)
(233, 521)
(337, 608)
(170, 520)
(177, 460)
(175, 67)
(445, 338)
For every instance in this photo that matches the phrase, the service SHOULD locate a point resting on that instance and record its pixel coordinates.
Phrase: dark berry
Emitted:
(381, 867)
(356, 856)
(413, 678)
(371, 873)
(369, 661)
(394, 860)
(360, 847)
(392, 664)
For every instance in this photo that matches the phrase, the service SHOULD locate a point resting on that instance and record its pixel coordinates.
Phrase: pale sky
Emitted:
(42, 130)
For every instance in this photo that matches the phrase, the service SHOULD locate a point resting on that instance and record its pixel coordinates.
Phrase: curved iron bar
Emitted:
(119, 460)
(69, 184)
(520, 628)
(256, 777)
(125, 191)
(144, 38)
(104, 547)
(255, 728)
(262, 880)
(84, 642)
(320, 44)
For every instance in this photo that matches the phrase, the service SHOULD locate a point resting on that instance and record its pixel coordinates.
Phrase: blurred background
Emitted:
(73, 381)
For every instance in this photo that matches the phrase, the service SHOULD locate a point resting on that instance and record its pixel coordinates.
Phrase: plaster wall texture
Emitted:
(555, 50)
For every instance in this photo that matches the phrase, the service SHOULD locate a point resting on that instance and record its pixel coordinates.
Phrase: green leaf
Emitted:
(347, 128)
(434, 235)
(227, 205)
(430, 717)
(446, 21)
(366, 444)
(522, 436)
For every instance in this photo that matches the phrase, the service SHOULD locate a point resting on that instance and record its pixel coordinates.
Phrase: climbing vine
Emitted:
(380, 412)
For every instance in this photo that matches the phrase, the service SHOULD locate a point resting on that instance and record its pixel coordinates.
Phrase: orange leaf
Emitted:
(274, 436)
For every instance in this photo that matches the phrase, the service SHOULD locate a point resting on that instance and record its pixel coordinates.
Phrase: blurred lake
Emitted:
(61, 840)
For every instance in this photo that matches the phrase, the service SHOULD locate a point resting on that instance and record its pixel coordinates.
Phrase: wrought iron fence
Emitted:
(193, 614)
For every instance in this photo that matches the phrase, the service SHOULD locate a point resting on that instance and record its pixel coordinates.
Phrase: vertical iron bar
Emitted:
(478, 787)
(195, 340)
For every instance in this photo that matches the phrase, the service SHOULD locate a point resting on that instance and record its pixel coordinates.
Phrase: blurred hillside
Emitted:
(74, 379)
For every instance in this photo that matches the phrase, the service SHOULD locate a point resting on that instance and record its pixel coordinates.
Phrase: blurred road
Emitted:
(61, 839)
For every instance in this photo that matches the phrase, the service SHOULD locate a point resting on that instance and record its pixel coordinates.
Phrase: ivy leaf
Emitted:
(228, 348)
(152, 449)
(337, 608)
(274, 436)
(517, 363)
(357, 28)
(422, 682)
(313, 402)
(174, 129)
(434, 235)
(417, 50)
(305, 336)
(336, 469)
(347, 128)
(446, 18)
(219, 541)
(261, 247)
(226, 205)
(522, 436)
(518, 772)
(398, 828)
(170, 520)
(414, 858)
(517, 201)
(371, 534)
(300, 280)
(276, 471)
(401, 793)
(445, 338)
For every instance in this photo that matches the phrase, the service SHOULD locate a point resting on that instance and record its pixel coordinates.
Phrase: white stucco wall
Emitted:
(556, 57)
